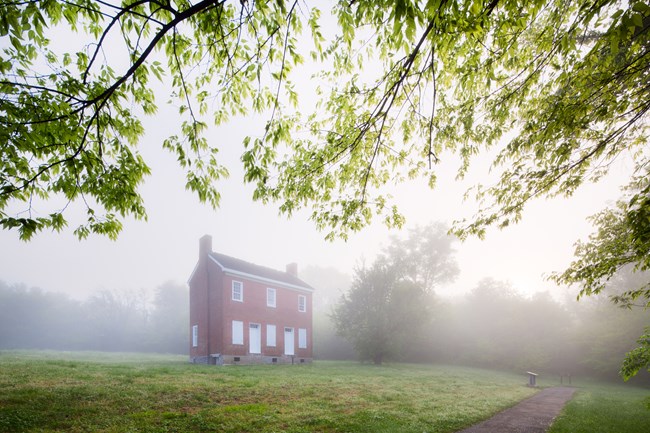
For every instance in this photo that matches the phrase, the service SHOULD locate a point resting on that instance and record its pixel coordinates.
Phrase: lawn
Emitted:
(99, 392)
(46, 392)
(605, 408)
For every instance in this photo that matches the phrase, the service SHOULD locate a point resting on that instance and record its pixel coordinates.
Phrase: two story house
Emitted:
(243, 313)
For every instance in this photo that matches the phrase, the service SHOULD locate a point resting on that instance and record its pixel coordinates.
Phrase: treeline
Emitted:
(494, 326)
(31, 318)
(389, 311)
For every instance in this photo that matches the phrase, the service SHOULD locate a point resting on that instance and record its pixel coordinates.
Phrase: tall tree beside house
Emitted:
(386, 309)
(425, 255)
(556, 89)
(381, 312)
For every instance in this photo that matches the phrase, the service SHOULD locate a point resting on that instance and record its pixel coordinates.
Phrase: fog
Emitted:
(491, 325)
(31, 318)
(57, 292)
(495, 326)
(500, 312)
(164, 247)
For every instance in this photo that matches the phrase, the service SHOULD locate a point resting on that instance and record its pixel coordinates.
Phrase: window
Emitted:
(270, 335)
(302, 303)
(237, 332)
(270, 297)
(195, 335)
(302, 338)
(237, 291)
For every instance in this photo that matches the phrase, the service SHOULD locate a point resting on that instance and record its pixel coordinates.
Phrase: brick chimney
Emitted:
(205, 246)
(292, 269)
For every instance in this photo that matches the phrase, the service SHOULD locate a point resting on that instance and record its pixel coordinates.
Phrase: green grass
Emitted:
(82, 392)
(100, 392)
(605, 408)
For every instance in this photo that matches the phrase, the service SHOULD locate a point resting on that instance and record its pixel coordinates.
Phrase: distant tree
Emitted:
(381, 312)
(605, 333)
(620, 248)
(425, 255)
(117, 321)
(169, 319)
(31, 318)
(329, 284)
(386, 308)
(501, 328)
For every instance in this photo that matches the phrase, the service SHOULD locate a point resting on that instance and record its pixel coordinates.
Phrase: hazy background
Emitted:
(130, 294)
(165, 247)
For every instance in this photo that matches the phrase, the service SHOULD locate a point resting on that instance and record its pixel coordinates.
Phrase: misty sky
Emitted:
(165, 247)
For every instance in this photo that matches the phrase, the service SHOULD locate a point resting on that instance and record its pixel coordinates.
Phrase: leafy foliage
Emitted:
(380, 312)
(620, 245)
(71, 120)
(559, 89)
(556, 90)
(384, 312)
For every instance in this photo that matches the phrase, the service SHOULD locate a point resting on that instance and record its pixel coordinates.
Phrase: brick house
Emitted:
(243, 313)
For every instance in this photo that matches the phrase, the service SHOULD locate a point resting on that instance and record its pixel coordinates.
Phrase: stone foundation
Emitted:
(218, 359)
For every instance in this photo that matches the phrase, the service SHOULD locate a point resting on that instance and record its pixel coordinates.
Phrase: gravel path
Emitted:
(533, 415)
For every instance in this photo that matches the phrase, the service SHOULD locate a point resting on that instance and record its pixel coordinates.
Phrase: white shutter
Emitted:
(195, 335)
(237, 332)
(302, 338)
(270, 335)
(270, 297)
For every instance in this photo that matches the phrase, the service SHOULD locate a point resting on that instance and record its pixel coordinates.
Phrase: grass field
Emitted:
(605, 408)
(98, 392)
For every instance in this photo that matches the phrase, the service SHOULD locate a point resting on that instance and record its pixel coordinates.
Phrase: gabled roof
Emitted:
(234, 266)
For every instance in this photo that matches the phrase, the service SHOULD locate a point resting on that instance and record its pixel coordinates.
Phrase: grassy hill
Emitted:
(109, 392)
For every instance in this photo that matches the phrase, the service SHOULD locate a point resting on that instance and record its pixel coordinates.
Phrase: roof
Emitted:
(243, 268)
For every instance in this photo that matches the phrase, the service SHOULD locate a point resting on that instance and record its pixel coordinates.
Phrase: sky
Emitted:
(149, 253)
(165, 247)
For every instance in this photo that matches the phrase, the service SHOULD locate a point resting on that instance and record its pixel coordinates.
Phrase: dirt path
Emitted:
(533, 415)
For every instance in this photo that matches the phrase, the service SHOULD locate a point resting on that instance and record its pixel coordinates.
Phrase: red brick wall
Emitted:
(198, 311)
(253, 309)
(216, 308)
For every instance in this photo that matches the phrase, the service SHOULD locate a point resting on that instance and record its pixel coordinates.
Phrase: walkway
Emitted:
(533, 415)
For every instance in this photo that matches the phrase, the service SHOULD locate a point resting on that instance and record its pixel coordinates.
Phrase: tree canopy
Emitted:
(389, 303)
(557, 90)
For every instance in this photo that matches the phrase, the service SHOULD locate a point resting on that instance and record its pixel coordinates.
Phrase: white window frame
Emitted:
(302, 338)
(271, 335)
(271, 300)
(237, 295)
(195, 335)
(302, 303)
(238, 332)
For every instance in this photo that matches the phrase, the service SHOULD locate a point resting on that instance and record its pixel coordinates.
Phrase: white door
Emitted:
(289, 342)
(254, 338)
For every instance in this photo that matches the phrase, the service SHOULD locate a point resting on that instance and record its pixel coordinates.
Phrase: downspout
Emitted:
(207, 270)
